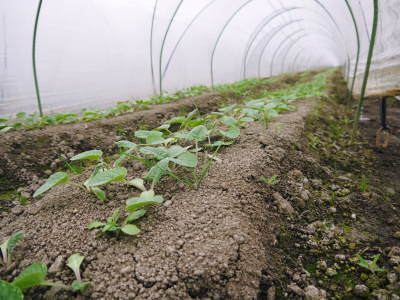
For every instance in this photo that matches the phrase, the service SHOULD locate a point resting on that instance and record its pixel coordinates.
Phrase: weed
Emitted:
(368, 264)
(364, 185)
(270, 180)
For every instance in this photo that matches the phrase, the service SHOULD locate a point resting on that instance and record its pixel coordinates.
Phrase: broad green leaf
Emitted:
(143, 134)
(176, 150)
(2, 120)
(95, 224)
(7, 247)
(107, 176)
(186, 159)
(178, 120)
(52, 181)
(247, 119)
(229, 121)
(99, 193)
(146, 198)
(163, 127)
(159, 153)
(199, 133)
(79, 286)
(158, 170)
(126, 144)
(115, 216)
(91, 155)
(232, 133)
(137, 183)
(34, 275)
(135, 215)
(130, 229)
(10, 292)
(74, 263)
(6, 129)
(20, 115)
(155, 139)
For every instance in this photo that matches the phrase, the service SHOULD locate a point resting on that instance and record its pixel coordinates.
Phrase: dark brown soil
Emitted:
(206, 243)
(26, 157)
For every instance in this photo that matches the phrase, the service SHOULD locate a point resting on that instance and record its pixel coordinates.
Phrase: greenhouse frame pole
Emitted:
(273, 34)
(163, 44)
(358, 46)
(220, 36)
(339, 30)
(35, 77)
(278, 48)
(153, 79)
(257, 31)
(368, 64)
(183, 35)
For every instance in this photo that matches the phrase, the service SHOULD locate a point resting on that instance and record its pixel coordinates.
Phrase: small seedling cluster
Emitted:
(35, 274)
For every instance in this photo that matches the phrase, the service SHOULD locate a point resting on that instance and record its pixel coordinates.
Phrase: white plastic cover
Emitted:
(93, 53)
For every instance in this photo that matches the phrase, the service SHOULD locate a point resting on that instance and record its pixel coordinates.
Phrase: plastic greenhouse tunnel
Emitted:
(200, 149)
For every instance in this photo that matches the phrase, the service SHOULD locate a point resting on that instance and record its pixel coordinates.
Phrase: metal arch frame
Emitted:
(35, 77)
(257, 31)
(163, 44)
(279, 47)
(285, 56)
(358, 46)
(368, 64)
(273, 34)
(292, 67)
(220, 36)
(290, 48)
(260, 58)
(153, 79)
(339, 30)
(183, 35)
(332, 37)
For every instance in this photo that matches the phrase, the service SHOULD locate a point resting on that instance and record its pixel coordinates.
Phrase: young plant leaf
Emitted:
(126, 144)
(158, 170)
(135, 215)
(79, 286)
(232, 133)
(199, 133)
(9, 291)
(107, 176)
(146, 198)
(138, 183)
(130, 229)
(52, 181)
(74, 262)
(99, 193)
(7, 247)
(143, 134)
(95, 225)
(159, 153)
(34, 275)
(90, 155)
(186, 159)
(219, 144)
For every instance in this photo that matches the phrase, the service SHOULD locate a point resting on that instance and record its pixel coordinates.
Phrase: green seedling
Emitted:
(99, 176)
(270, 180)
(368, 264)
(33, 275)
(112, 225)
(8, 246)
(74, 262)
(364, 186)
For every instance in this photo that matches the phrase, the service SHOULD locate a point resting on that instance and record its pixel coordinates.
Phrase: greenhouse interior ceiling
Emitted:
(94, 53)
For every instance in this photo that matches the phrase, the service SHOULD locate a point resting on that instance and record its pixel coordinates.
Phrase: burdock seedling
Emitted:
(99, 176)
(7, 247)
(74, 262)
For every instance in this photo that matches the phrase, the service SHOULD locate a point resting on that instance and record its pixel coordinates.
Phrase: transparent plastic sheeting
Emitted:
(92, 53)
